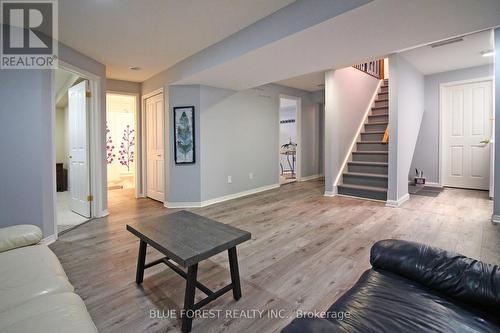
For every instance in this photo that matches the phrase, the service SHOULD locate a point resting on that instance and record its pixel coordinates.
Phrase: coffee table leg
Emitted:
(141, 260)
(235, 274)
(189, 297)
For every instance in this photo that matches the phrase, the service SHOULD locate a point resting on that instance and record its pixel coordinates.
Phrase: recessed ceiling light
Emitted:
(134, 68)
(488, 53)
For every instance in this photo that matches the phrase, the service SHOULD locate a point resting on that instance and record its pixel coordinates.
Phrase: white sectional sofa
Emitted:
(35, 293)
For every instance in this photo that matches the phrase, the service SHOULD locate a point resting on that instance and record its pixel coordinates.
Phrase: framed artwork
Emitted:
(184, 149)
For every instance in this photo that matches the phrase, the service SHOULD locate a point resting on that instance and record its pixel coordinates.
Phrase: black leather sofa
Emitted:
(414, 288)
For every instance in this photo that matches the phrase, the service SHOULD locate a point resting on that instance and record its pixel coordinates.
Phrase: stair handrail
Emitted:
(374, 68)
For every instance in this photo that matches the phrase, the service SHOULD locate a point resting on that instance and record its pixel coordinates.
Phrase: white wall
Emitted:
(426, 156)
(348, 93)
(406, 109)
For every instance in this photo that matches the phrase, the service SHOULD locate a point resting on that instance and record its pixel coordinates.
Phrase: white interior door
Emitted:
(155, 177)
(467, 112)
(79, 185)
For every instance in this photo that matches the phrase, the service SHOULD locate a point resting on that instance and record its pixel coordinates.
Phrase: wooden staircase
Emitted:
(366, 173)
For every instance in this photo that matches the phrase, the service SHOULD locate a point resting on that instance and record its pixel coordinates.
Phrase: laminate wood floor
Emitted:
(306, 250)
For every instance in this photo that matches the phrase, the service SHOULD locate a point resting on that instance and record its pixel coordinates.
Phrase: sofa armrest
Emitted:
(19, 236)
(457, 276)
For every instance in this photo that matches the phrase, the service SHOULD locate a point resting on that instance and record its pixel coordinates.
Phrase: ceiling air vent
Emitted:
(446, 42)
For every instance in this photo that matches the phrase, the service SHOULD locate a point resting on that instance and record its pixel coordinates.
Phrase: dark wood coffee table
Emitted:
(186, 239)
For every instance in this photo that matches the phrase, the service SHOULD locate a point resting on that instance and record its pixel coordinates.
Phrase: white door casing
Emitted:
(155, 180)
(79, 175)
(466, 119)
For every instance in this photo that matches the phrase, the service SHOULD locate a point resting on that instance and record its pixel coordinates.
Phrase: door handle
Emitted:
(70, 156)
(159, 155)
(485, 141)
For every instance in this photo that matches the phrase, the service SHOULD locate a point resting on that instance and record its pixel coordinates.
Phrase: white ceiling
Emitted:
(153, 34)
(372, 31)
(308, 82)
(464, 54)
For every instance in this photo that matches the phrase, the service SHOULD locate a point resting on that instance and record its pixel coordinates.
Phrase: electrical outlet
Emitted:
(250, 175)
(229, 179)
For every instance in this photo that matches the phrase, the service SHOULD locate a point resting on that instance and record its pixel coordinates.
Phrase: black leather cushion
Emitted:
(455, 275)
(383, 302)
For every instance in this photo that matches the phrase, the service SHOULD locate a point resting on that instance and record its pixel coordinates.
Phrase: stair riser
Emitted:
(370, 157)
(372, 136)
(378, 118)
(362, 146)
(365, 181)
(363, 193)
(383, 95)
(376, 112)
(378, 169)
(375, 127)
(384, 89)
(381, 103)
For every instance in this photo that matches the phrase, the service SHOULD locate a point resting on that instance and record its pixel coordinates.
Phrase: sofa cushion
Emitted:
(465, 279)
(18, 236)
(64, 312)
(29, 272)
(383, 302)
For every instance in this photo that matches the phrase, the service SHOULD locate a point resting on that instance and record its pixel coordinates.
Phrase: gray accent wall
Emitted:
(26, 190)
(496, 199)
(237, 134)
(426, 156)
(184, 181)
(406, 109)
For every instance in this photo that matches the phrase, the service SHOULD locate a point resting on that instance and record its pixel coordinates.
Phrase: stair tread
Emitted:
(382, 99)
(380, 107)
(379, 115)
(370, 152)
(368, 163)
(364, 174)
(364, 187)
(378, 123)
(371, 142)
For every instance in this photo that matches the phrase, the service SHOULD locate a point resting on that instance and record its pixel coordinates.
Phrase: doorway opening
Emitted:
(72, 150)
(289, 134)
(121, 152)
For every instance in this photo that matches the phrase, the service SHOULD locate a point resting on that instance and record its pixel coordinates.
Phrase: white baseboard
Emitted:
(399, 202)
(219, 199)
(49, 239)
(495, 219)
(104, 213)
(432, 184)
(332, 193)
(306, 178)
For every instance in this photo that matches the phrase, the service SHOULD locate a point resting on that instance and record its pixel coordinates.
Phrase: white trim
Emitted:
(197, 204)
(333, 193)
(442, 87)
(298, 126)
(138, 147)
(361, 198)
(433, 184)
(358, 133)
(49, 239)
(399, 202)
(495, 219)
(311, 177)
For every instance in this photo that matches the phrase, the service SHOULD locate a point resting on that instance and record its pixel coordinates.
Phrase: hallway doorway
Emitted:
(289, 111)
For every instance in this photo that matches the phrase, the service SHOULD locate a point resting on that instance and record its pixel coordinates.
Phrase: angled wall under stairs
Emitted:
(366, 172)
